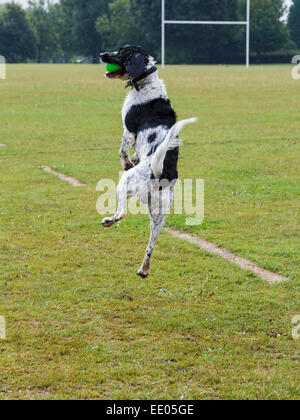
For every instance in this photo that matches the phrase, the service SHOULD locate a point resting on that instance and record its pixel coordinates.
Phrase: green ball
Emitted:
(112, 67)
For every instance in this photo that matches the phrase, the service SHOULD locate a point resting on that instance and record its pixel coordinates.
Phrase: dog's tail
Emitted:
(170, 143)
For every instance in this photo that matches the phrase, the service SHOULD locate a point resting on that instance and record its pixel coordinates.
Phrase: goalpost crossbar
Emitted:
(201, 22)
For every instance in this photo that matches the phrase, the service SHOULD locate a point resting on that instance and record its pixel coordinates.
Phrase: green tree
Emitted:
(81, 17)
(268, 32)
(17, 39)
(61, 28)
(118, 26)
(294, 22)
(40, 14)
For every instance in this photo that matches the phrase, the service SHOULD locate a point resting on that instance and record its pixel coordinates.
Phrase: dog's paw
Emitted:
(143, 274)
(107, 222)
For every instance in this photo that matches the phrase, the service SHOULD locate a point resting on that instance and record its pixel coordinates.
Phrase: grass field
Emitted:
(80, 324)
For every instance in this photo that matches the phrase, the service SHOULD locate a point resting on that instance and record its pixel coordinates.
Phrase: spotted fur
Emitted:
(150, 127)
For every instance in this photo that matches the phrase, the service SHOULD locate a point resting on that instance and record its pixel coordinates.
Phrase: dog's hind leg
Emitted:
(157, 223)
(157, 217)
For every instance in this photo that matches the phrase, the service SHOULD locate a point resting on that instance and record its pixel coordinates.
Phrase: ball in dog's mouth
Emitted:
(112, 70)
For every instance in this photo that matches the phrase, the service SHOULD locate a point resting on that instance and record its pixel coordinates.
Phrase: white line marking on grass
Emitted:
(270, 277)
(2, 145)
(74, 182)
(2, 328)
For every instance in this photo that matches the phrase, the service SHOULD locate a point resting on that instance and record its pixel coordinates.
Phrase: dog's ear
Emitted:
(136, 65)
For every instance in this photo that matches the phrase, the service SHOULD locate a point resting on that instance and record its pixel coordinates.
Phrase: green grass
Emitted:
(80, 324)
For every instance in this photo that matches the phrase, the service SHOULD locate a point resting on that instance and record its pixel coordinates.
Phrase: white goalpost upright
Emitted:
(199, 22)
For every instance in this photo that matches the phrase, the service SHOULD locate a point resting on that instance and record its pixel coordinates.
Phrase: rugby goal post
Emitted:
(199, 22)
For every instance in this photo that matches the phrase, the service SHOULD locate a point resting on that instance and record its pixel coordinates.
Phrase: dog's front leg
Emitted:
(127, 187)
(127, 142)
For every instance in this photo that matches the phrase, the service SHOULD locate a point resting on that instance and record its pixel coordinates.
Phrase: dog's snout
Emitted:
(103, 57)
(110, 58)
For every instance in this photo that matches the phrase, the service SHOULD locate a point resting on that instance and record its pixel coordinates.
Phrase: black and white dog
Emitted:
(150, 127)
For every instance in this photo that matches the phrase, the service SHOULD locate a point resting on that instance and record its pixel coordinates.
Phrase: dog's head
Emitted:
(133, 60)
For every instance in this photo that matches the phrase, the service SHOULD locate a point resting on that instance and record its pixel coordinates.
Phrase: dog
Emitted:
(151, 128)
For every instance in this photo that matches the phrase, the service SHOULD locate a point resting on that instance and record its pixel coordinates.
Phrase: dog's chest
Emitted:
(129, 102)
(135, 105)
(153, 114)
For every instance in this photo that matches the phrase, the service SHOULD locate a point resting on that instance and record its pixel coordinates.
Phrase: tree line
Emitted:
(59, 32)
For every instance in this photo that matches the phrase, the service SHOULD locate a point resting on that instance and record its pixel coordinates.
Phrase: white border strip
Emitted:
(73, 181)
(266, 275)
